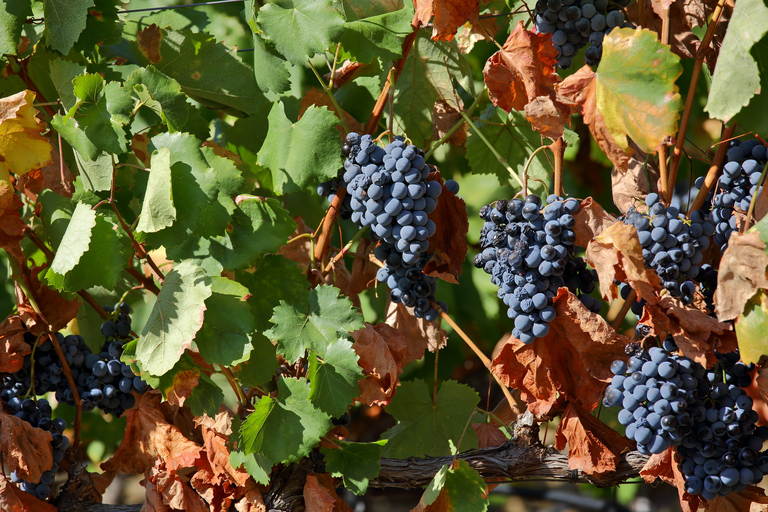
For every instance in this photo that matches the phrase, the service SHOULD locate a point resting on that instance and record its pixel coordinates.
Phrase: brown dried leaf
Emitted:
(522, 70)
(695, 332)
(742, 501)
(445, 117)
(215, 437)
(139, 147)
(664, 466)
(184, 383)
(50, 177)
(173, 491)
(251, 502)
(593, 447)
(13, 348)
(741, 275)
(591, 220)
(381, 350)
(578, 91)
(12, 229)
(616, 254)
(57, 310)
(26, 449)
(320, 99)
(320, 495)
(346, 72)
(449, 15)
(363, 268)
(149, 41)
(631, 186)
(547, 117)
(419, 333)
(489, 435)
(449, 243)
(571, 363)
(149, 437)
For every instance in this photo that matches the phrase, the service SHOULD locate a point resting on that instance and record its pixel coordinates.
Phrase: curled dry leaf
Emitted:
(167, 490)
(215, 438)
(489, 435)
(449, 15)
(741, 275)
(320, 99)
(571, 363)
(381, 350)
(547, 117)
(578, 91)
(363, 267)
(664, 466)
(449, 243)
(13, 499)
(593, 447)
(445, 117)
(57, 310)
(182, 386)
(630, 187)
(750, 499)
(13, 348)
(26, 449)
(591, 220)
(616, 254)
(696, 333)
(12, 228)
(50, 177)
(150, 437)
(320, 495)
(419, 333)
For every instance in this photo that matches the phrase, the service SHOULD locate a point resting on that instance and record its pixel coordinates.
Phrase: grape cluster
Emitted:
(529, 254)
(38, 414)
(389, 193)
(656, 389)
(576, 23)
(722, 453)
(672, 245)
(736, 187)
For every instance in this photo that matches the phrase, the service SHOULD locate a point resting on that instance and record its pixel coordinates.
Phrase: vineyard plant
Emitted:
(297, 254)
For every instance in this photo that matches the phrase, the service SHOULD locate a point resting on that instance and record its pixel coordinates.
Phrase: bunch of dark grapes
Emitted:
(529, 254)
(389, 193)
(672, 245)
(708, 285)
(38, 414)
(736, 187)
(722, 453)
(576, 23)
(656, 390)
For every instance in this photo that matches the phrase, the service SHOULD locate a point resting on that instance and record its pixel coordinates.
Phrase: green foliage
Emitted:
(65, 20)
(12, 16)
(334, 377)
(356, 463)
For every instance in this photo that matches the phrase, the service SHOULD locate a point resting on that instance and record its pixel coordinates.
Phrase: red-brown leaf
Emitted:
(363, 267)
(593, 447)
(26, 449)
(13, 348)
(489, 435)
(571, 363)
(418, 333)
(741, 275)
(449, 243)
(168, 488)
(449, 15)
(445, 117)
(215, 437)
(749, 499)
(547, 117)
(12, 229)
(664, 466)
(182, 386)
(381, 350)
(149, 437)
(591, 220)
(57, 310)
(320, 495)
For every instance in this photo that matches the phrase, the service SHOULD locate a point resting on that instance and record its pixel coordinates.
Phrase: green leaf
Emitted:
(514, 139)
(63, 72)
(752, 117)
(463, 487)
(302, 153)
(256, 464)
(751, 327)
(435, 486)
(259, 225)
(427, 77)
(300, 28)
(636, 91)
(424, 428)
(378, 36)
(287, 428)
(261, 365)
(206, 398)
(13, 14)
(102, 27)
(64, 21)
(313, 322)
(271, 69)
(56, 212)
(225, 336)
(728, 94)
(334, 378)
(90, 253)
(96, 123)
(157, 210)
(175, 319)
(198, 63)
(356, 463)
(276, 274)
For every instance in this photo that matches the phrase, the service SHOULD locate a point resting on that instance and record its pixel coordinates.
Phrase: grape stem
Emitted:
(754, 199)
(665, 187)
(501, 159)
(528, 164)
(616, 324)
(714, 170)
(329, 92)
(456, 126)
(345, 249)
(558, 149)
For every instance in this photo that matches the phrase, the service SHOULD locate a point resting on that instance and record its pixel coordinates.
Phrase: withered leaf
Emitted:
(748, 499)
(489, 435)
(547, 117)
(419, 333)
(630, 186)
(449, 15)
(12, 229)
(591, 220)
(149, 41)
(741, 274)
(182, 386)
(320, 495)
(215, 437)
(593, 447)
(664, 466)
(449, 243)
(445, 117)
(571, 363)
(364, 270)
(616, 254)
(167, 487)
(381, 350)
(26, 449)
(57, 310)
(13, 348)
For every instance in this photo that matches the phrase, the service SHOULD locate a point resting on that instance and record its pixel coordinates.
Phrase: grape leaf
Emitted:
(56, 212)
(22, 145)
(378, 36)
(261, 364)
(102, 27)
(301, 153)
(175, 319)
(64, 21)
(425, 428)
(13, 14)
(287, 428)
(90, 253)
(271, 69)
(300, 28)
(257, 465)
(96, 174)
(356, 463)
(157, 211)
(742, 271)
(750, 118)
(63, 72)
(458, 488)
(727, 96)
(26, 449)
(636, 91)
(334, 378)
(313, 322)
(96, 122)
(751, 327)
(449, 15)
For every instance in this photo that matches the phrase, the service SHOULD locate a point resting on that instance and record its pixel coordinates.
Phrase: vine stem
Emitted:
(486, 362)
(760, 183)
(677, 152)
(501, 159)
(345, 249)
(233, 383)
(528, 164)
(324, 240)
(458, 124)
(558, 148)
(665, 187)
(714, 170)
(624, 310)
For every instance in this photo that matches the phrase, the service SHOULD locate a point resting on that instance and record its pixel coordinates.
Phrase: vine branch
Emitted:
(714, 170)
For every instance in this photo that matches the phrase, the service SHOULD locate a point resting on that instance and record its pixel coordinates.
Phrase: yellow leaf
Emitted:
(6, 189)
(23, 148)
